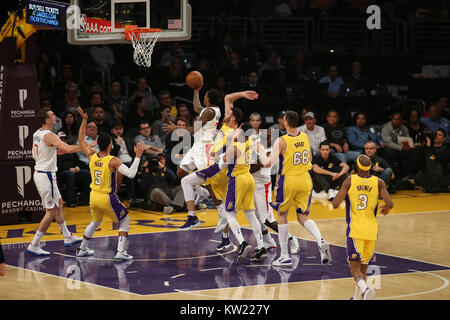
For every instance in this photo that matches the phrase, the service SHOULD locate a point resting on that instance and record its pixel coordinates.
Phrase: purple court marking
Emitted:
(187, 261)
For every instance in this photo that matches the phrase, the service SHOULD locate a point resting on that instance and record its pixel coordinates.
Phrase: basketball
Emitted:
(194, 80)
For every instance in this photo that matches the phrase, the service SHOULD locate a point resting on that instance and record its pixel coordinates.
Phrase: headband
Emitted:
(362, 167)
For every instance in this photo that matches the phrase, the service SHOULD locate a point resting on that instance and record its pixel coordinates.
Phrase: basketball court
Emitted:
(411, 259)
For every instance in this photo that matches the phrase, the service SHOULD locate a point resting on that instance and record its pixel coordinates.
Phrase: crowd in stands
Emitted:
(409, 148)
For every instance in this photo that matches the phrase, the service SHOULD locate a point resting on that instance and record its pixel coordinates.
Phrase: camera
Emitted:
(422, 136)
(153, 163)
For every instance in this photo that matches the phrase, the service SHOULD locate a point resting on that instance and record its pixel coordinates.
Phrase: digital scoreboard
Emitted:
(47, 13)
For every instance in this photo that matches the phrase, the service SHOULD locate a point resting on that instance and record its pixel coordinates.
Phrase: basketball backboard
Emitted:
(92, 22)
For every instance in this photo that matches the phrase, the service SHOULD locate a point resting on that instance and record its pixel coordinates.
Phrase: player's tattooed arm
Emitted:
(196, 101)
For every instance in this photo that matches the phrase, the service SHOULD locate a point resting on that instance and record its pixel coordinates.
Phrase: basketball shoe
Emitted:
(191, 222)
(84, 252)
(244, 251)
(37, 250)
(225, 244)
(325, 255)
(70, 241)
(282, 262)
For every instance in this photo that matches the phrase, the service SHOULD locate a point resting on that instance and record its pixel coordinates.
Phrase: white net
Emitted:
(143, 44)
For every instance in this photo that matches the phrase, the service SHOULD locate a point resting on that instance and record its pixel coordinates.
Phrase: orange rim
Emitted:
(138, 31)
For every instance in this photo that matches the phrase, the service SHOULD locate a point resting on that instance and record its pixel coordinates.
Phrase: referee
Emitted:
(2, 262)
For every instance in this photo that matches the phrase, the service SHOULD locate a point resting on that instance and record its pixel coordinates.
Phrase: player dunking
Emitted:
(46, 144)
(361, 192)
(103, 199)
(294, 187)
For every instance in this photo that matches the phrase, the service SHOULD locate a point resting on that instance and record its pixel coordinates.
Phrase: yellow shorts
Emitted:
(293, 191)
(106, 204)
(219, 184)
(360, 250)
(240, 193)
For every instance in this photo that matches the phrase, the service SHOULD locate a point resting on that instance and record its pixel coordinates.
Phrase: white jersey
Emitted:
(206, 133)
(44, 156)
(262, 176)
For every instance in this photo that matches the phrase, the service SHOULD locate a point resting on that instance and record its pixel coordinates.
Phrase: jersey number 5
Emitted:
(98, 177)
(302, 158)
(363, 204)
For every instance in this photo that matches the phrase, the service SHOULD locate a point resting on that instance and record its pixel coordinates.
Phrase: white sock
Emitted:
(312, 228)
(37, 237)
(357, 294)
(84, 244)
(251, 217)
(121, 244)
(64, 230)
(192, 213)
(283, 235)
(225, 235)
(361, 284)
(235, 227)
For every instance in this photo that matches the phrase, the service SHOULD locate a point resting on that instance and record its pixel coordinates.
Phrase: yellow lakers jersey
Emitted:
(241, 165)
(296, 159)
(103, 180)
(221, 139)
(361, 207)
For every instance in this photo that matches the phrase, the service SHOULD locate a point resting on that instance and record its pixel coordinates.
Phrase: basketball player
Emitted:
(215, 179)
(198, 156)
(361, 192)
(103, 199)
(241, 191)
(294, 187)
(263, 196)
(46, 145)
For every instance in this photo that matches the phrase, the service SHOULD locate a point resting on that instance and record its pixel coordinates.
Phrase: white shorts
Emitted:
(263, 196)
(48, 188)
(198, 158)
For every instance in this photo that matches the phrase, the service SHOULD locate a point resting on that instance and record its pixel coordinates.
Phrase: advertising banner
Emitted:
(19, 195)
(19, 110)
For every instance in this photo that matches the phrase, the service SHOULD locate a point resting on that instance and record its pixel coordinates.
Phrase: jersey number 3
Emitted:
(363, 204)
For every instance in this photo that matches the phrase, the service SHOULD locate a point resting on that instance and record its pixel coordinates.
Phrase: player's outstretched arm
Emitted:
(85, 147)
(117, 165)
(342, 193)
(388, 204)
(196, 101)
(52, 139)
(232, 97)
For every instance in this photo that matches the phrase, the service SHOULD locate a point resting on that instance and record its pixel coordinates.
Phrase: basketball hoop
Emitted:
(143, 41)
